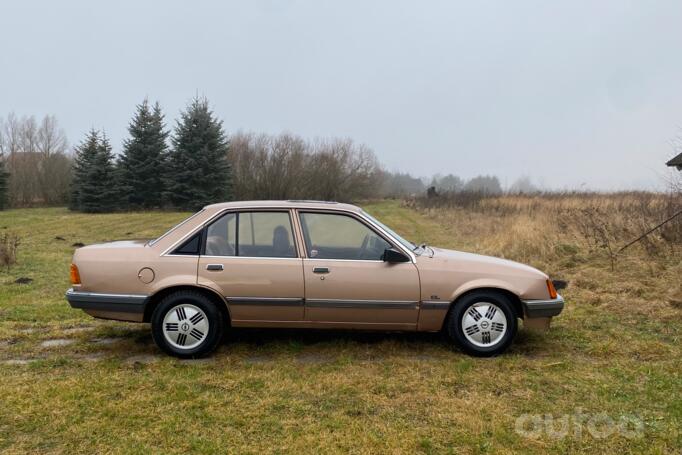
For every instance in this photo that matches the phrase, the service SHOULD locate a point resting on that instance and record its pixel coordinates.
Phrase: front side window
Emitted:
(251, 234)
(406, 243)
(334, 236)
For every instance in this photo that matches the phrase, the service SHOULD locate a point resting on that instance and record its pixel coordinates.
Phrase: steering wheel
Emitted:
(363, 247)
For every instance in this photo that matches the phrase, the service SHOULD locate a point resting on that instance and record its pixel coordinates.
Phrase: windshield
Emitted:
(152, 242)
(406, 243)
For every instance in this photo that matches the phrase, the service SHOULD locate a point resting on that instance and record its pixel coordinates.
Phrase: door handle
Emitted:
(214, 267)
(321, 270)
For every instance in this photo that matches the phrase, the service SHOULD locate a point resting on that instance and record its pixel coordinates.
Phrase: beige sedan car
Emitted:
(304, 264)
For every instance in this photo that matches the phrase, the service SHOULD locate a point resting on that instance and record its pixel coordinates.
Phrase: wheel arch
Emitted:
(513, 298)
(159, 295)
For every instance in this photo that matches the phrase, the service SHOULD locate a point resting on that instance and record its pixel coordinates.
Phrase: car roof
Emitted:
(299, 204)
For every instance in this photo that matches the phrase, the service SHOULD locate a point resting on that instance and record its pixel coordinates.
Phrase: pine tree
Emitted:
(83, 160)
(4, 176)
(94, 184)
(141, 165)
(198, 171)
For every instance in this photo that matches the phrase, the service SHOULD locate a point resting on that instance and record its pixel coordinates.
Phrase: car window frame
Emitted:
(199, 233)
(352, 215)
(170, 231)
(237, 212)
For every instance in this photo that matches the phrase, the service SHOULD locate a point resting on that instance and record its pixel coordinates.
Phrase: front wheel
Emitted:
(187, 324)
(483, 323)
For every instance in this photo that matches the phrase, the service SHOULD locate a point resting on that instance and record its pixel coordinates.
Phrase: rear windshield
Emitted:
(152, 242)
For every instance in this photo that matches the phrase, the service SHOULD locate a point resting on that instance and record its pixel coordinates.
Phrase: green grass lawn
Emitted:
(614, 353)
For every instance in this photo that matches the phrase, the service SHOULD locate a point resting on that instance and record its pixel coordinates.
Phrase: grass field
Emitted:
(72, 384)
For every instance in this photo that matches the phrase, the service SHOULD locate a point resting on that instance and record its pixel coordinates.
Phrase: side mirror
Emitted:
(393, 255)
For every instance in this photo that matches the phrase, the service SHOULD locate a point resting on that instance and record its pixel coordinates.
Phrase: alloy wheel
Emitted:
(484, 324)
(185, 326)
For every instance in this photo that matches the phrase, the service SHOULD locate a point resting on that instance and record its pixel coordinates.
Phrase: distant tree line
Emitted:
(198, 164)
(404, 185)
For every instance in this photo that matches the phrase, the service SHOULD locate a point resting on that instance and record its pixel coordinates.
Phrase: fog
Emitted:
(574, 95)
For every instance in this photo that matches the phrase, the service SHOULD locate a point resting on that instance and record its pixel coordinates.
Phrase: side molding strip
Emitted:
(435, 305)
(264, 301)
(366, 304)
(334, 303)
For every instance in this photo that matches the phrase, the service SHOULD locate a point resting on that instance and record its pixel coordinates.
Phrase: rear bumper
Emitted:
(542, 308)
(115, 303)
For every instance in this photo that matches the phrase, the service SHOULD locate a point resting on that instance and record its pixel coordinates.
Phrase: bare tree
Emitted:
(287, 167)
(10, 136)
(37, 160)
(54, 167)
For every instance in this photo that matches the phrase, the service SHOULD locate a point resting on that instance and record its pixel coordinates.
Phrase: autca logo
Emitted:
(598, 426)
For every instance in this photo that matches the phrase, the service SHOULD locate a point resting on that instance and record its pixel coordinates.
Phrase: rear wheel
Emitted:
(187, 324)
(483, 323)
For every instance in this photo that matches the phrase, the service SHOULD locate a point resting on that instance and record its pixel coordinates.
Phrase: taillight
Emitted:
(75, 276)
(552, 291)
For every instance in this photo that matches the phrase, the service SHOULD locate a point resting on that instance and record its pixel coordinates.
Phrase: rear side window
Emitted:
(251, 234)
(265, 234)
(191, 246)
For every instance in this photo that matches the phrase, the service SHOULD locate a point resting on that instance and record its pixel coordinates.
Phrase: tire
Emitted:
(187, 324)
(478, 314)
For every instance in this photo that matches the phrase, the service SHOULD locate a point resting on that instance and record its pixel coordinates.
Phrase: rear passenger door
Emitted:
(251, 256)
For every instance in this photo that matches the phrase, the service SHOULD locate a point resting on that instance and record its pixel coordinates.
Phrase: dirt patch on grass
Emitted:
(73, 330)
(142, 359)
(258, 359)
(106, 341)
(93, 357)
(200, 361)
(312, 358)
(57, 342)
(17, 361)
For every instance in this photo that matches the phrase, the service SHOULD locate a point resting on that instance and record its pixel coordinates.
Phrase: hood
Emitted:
(450, 273)
(462, 260)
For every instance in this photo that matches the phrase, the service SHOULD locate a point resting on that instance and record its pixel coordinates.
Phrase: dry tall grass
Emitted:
(578, 237)
(9, 243)
(546, 225)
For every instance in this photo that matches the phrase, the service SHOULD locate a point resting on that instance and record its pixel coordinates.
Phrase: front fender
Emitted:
(484, 283)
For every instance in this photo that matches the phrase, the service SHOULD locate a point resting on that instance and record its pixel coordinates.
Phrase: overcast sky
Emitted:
(572, 93)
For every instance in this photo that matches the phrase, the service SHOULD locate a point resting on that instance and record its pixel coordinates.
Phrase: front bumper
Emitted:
(542, 308)
(117, 303)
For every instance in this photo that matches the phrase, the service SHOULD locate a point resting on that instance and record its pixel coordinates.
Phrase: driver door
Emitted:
(346, 281)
